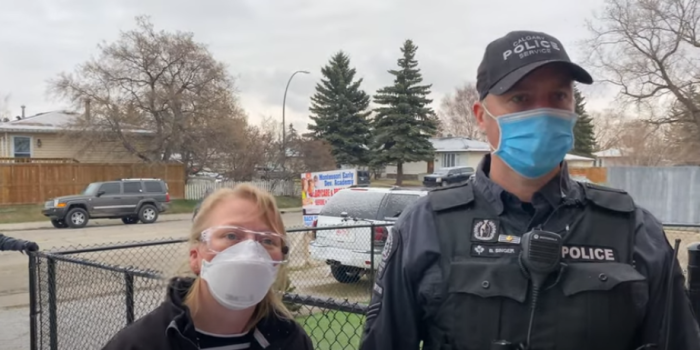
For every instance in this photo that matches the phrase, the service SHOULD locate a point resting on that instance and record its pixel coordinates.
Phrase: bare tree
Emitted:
(645, 144)
(251, 151)
(649, 50)
(455, 113)
(638, 142)
(308, 154)
(607, 125)
(161, 95)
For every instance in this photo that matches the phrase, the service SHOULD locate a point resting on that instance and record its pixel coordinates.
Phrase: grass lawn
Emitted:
(32, 212)
(333, 330)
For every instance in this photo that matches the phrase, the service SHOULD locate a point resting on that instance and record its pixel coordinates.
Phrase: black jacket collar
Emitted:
(269, 330)
(560, 188)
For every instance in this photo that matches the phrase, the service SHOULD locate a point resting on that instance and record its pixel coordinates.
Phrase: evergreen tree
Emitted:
(405, 121)
(339, 112)
(584, 133)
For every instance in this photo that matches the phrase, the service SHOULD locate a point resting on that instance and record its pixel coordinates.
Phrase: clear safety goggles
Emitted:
(219, 238)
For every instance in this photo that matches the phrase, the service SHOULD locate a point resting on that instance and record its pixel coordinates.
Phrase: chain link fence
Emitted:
(81, 296)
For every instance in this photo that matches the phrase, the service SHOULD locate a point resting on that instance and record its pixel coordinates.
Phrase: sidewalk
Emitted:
(43, 225)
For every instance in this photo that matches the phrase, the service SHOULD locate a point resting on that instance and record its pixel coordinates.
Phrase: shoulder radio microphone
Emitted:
(540, 256)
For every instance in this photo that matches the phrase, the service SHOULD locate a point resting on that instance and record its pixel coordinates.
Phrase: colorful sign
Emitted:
(317, 188)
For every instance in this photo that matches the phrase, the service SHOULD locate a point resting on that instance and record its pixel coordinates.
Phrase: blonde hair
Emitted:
(270, 215)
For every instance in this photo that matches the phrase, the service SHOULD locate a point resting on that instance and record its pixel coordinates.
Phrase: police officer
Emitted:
(451, 275)
(9, 243)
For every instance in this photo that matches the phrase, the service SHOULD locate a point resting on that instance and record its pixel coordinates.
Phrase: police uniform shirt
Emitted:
(408, 289)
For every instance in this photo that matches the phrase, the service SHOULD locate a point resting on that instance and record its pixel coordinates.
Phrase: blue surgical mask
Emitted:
(534, 142)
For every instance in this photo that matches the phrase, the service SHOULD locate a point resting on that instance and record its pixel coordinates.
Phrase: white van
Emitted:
(348, 251)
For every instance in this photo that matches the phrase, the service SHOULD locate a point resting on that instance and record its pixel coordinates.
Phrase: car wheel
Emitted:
(59, 223)
(346, 274)
(77, 218)
(148, 214)
(130, 220)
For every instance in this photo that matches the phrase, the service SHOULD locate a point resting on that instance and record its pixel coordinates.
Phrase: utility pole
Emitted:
(284, 122)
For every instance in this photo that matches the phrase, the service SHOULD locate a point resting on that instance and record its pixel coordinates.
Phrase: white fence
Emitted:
(195, 190)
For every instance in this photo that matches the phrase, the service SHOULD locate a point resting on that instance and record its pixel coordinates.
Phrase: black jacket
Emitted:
(409, 283)
(170, 327)
(9, 243)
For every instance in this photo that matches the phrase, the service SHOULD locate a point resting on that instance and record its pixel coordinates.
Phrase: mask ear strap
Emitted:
(488, 114)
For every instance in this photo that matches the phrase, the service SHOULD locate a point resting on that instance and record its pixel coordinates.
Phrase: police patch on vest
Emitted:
(494, 250)
(588, 253)
(387, 253)
(484, 230)
(387, 246)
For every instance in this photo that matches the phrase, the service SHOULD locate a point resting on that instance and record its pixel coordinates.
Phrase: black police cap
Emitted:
(510, 58)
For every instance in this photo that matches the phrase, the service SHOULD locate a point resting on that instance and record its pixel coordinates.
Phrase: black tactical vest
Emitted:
(591, 305)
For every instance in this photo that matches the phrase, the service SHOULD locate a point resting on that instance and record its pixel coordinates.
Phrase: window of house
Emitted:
(448, 160)
(132, 187)
(111, 188)
(21, 146)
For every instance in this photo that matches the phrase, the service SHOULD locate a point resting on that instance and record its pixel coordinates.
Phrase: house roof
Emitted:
(43, 122)
(47, 122)
(458, 144)
(609, 153)
(575, 157)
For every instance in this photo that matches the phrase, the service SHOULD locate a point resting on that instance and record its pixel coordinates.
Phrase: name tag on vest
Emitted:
(494, 250)
(588, 253)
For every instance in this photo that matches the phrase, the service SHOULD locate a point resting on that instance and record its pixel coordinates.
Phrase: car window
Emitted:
(91, 189)
(358, 204)
(153, 186)
(442, 171)
(111, 188)
(132, 187)
(396, 203)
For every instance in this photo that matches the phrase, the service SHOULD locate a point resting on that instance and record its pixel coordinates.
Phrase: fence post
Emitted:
(53, 303)
(694, 277)
(371, 250)
(129, 297)
(33, 309)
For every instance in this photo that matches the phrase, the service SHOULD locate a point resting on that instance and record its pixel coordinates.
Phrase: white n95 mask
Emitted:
(240, 276)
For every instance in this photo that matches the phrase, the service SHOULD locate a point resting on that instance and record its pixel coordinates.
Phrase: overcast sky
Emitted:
(264, 41)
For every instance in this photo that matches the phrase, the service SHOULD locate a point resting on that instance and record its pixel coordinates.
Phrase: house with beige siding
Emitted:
(44, 136)
(462, 151)
(449, 152)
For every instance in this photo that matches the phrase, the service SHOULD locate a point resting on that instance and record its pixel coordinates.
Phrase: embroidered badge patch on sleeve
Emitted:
(388, 251)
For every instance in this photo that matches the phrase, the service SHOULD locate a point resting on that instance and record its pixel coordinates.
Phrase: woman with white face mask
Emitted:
(237, 251)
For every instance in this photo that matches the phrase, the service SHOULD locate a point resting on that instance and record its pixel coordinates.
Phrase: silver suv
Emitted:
(131, 200)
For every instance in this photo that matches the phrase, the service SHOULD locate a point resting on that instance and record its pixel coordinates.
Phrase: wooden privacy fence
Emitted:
(595, 175)
(36, 183)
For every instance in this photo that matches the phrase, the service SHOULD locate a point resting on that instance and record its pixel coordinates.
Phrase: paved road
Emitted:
(13, 266)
